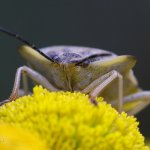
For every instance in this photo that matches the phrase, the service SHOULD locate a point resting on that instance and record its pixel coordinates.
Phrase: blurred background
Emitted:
(119, 26)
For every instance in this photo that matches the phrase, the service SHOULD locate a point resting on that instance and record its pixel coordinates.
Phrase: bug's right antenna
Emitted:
(24, 41)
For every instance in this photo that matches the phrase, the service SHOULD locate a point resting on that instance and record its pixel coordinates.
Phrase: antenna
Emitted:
(24, 41)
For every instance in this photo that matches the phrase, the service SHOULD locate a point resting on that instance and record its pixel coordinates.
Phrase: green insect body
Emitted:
(68, 76)
(92, 71)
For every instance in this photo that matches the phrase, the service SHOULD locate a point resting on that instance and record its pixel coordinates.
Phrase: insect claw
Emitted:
(93, 101)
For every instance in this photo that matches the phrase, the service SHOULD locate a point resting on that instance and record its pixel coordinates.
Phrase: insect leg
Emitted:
(37, 77)
(25, 89)
(4, 101)
(96, 87)
(25, 84)
(141, 100)
(96, 82)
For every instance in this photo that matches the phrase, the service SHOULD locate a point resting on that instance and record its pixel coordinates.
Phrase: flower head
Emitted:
(13, 138)
(68, 121)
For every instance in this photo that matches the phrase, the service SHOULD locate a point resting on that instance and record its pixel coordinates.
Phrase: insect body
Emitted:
(72, 69)
(92, 71)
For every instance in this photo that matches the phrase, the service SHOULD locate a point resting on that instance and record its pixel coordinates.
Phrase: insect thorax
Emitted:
(75, 54)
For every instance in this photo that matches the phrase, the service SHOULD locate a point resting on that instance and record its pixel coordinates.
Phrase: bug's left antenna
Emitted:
(6, 31)
(17, 37)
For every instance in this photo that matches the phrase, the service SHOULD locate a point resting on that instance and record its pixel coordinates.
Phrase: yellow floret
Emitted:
(13, 138)
(68, 121)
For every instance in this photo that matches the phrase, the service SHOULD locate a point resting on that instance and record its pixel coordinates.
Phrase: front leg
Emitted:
(35, 76)
(97, 86)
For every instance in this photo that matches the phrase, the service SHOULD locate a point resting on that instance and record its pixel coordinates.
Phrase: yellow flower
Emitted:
(12, 138)
(68, 121)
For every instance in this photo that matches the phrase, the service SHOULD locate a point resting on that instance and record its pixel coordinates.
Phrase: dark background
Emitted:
(121, 26)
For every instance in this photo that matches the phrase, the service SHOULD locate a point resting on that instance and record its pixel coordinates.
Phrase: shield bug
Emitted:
(92, 71)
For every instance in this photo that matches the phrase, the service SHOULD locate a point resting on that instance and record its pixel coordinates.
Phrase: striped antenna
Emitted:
(6, 31)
